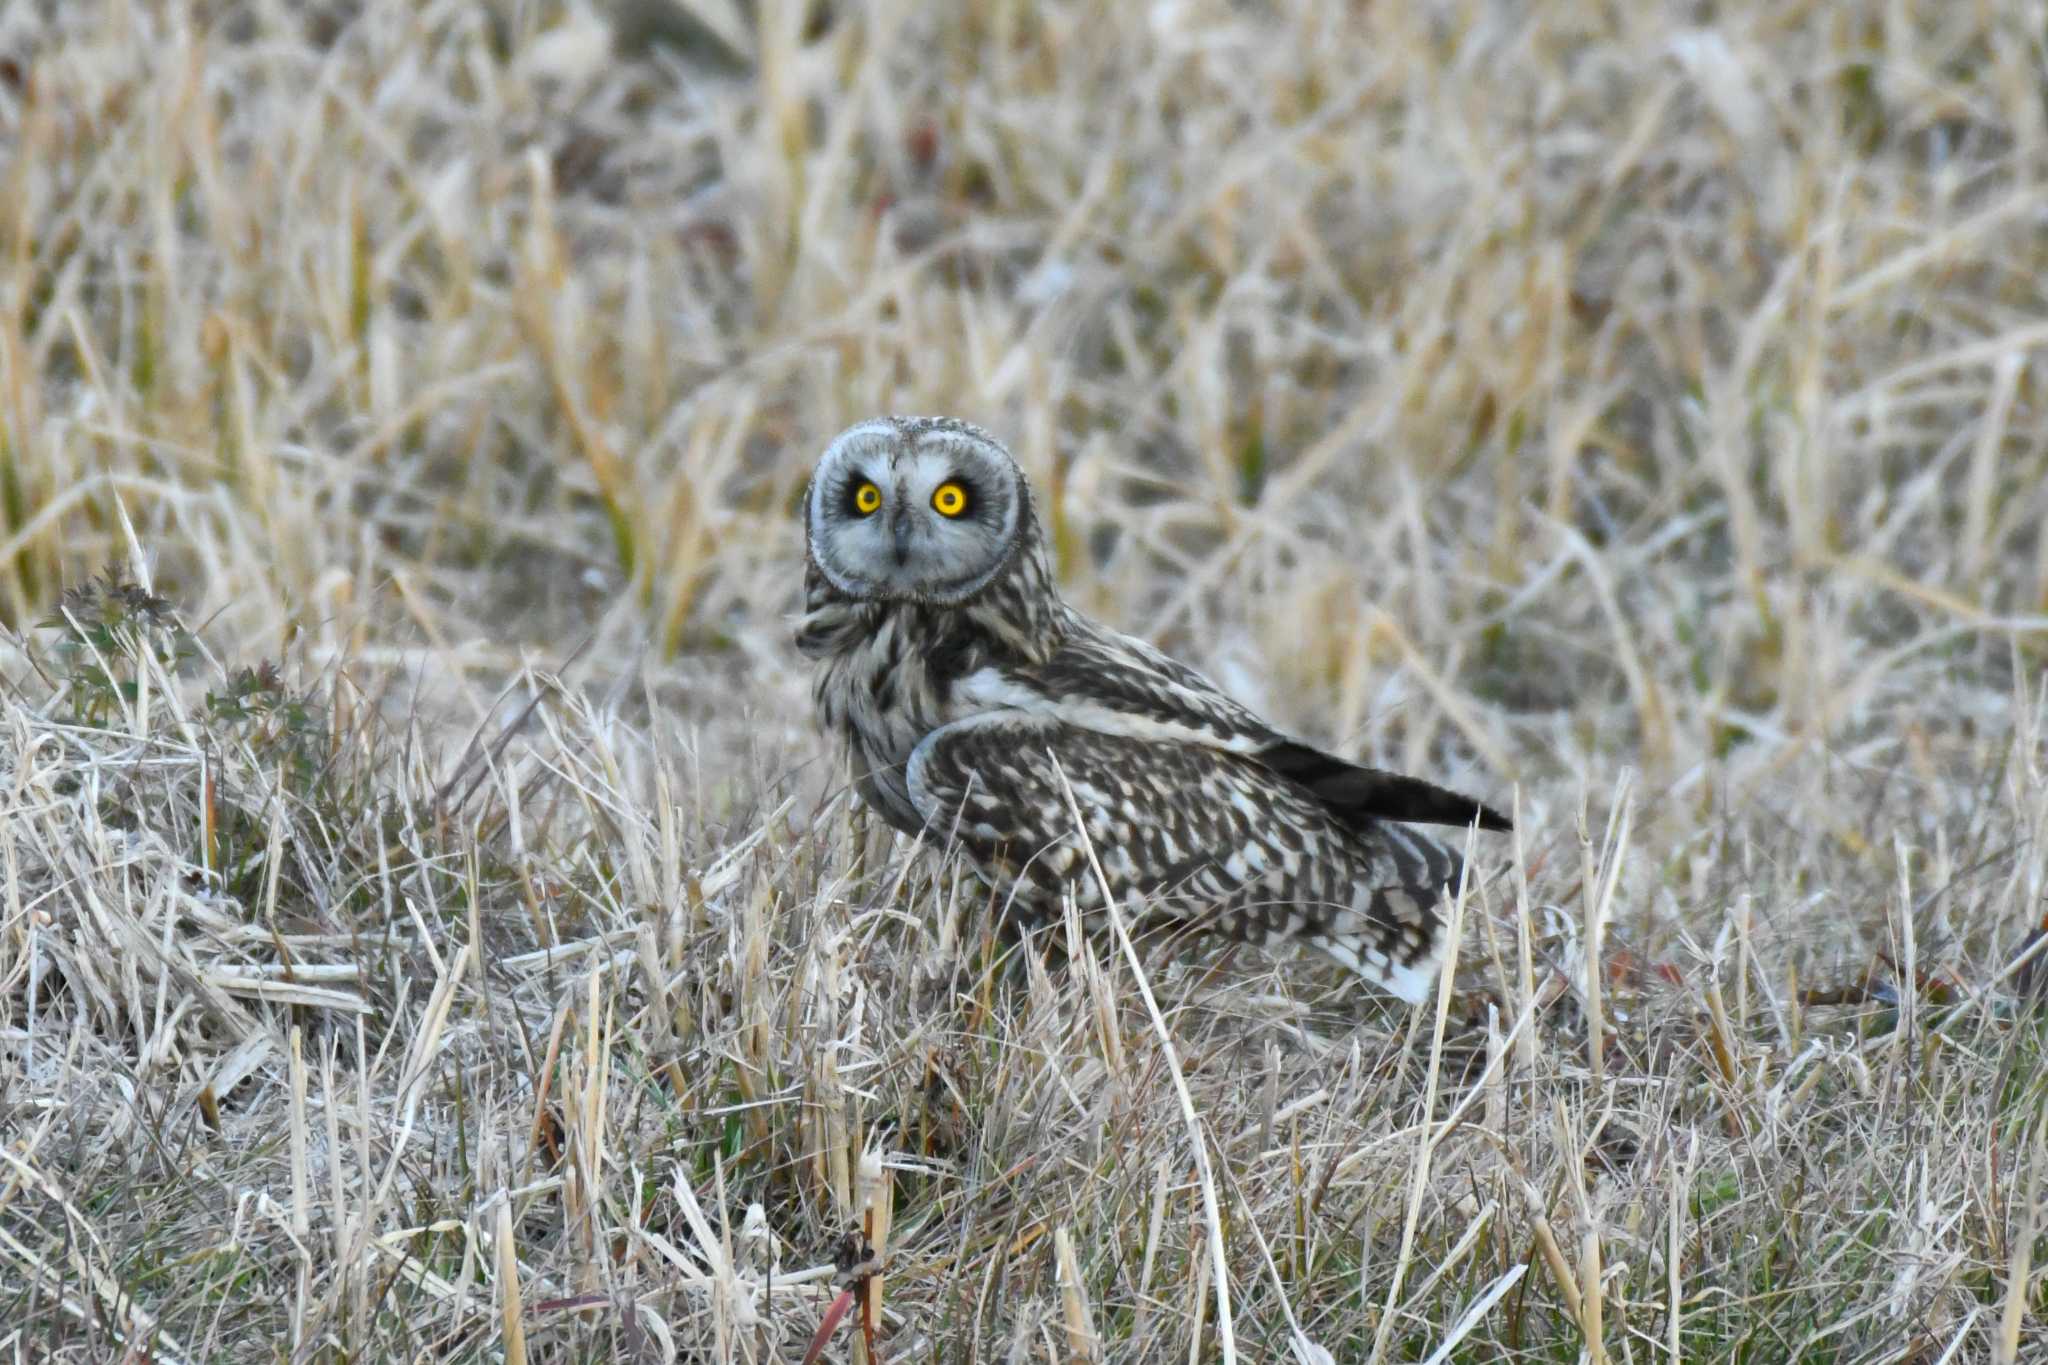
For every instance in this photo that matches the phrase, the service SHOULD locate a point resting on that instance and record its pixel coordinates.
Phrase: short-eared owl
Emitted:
(963, 689)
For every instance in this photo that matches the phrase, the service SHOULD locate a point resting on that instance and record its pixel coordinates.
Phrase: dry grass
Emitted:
(1643, 418)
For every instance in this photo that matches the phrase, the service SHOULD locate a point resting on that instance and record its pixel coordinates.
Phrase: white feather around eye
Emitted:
(897, 545)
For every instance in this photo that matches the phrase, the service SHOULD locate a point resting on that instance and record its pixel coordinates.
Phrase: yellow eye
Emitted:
(949, 500)
(866, 499)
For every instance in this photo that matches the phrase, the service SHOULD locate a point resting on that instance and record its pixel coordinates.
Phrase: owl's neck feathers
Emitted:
(1021, 609)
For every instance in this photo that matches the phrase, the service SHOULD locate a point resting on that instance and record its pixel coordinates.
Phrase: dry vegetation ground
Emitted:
(1644, 417)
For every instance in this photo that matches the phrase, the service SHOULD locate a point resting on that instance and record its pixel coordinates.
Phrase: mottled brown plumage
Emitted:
(971, 699)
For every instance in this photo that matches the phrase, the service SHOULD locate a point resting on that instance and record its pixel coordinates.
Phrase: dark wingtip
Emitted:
(1354, 793)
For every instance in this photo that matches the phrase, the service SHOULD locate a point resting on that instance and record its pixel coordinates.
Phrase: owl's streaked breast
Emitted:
(887, 682)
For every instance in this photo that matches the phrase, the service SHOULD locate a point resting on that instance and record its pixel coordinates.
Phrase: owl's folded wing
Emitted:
(1106, 681)
(1193, 832)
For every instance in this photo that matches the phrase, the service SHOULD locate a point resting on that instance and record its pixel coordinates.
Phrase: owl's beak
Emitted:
(899, 538)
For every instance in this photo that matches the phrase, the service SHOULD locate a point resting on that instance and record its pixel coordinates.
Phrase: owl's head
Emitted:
(920, 509)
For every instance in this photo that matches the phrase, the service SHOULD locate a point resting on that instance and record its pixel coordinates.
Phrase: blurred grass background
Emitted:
(1637, 406)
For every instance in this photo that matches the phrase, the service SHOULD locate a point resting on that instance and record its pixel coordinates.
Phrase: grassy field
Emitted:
(432, 929)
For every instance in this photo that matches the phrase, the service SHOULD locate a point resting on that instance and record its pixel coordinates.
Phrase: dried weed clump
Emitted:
(430, 928)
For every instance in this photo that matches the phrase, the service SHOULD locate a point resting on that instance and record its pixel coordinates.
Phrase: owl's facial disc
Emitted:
(914, 509)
